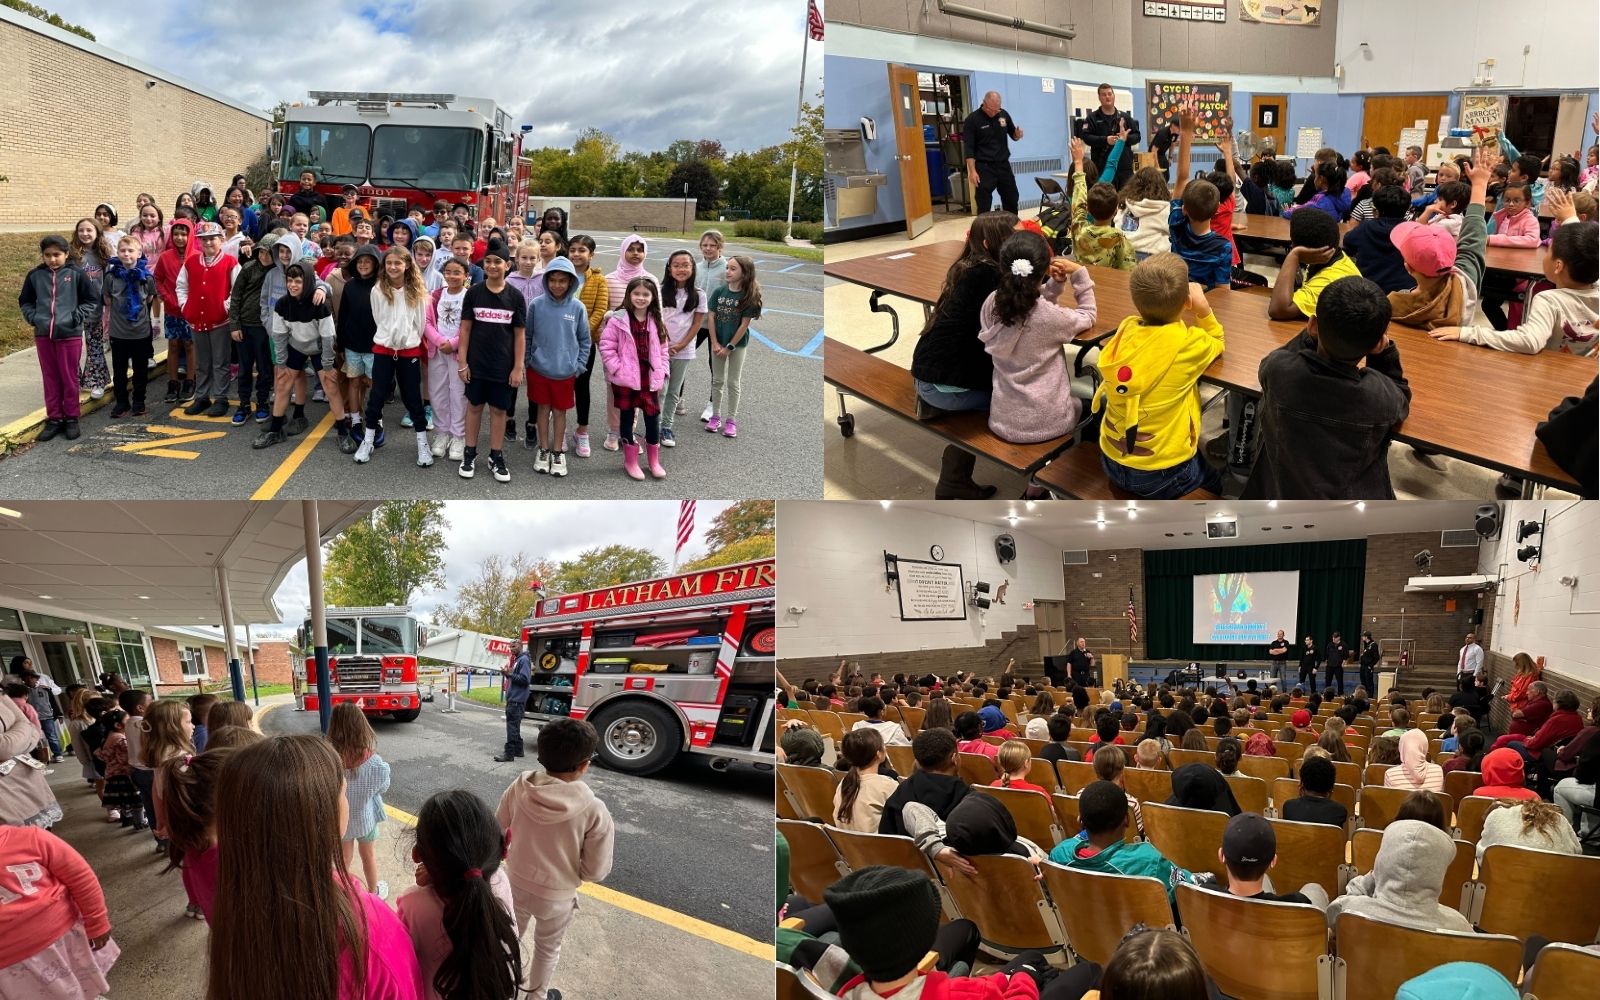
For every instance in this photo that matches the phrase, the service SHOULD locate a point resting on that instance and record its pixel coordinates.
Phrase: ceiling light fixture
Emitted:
(885, 503)
(1133, 511)
(144, 597)
(1361, 505)
(1272, 505)
(46, 597)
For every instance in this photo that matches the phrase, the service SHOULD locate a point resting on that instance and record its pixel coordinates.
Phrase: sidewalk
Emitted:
(22, 395)
(609, 953)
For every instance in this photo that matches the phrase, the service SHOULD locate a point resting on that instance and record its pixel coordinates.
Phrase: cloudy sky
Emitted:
(542, 528)
(647, 73)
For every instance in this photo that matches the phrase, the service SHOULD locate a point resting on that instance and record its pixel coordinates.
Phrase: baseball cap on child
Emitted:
(1248, 841)
(208, 229)
(1428, 250)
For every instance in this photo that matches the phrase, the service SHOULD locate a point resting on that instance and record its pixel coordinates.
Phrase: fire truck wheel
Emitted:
(636, 737)
(409, 715)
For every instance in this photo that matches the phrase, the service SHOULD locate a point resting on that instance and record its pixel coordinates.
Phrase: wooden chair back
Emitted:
(1307, 852)
(1223, 927)
(1562, 970)
(782, 804)
(1066, 810)
(813, 863)
(863, 850)
(1376, 957)
(828, 724)
(1074, 775)
(1251, 793)
(1035, 747)
(1474, 810)
(849, 719)
(1081, 734)
(911, 719)
(1098, 908)
(1348, 773)
(1379, 804)
(1265, 768)
(810, 790)
(1373, 774)
(1007, 903)
(1030, 811)
(1082, 746)
(1147, 786)
(1189, 838)
(902, 760)
(1042, 773)
(1179, 757)
(1291, 752)
(1523, 891)
(1284, 789)
(797, 985)
(1009, 709)
(976, 768)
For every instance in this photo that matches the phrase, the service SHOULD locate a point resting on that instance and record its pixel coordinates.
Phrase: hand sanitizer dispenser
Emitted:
(869, 130)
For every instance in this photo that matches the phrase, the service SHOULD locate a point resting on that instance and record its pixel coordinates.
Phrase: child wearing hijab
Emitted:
(1415, 772)
(1503, 776)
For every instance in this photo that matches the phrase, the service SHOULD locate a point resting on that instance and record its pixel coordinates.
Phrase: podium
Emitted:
(1113, 668)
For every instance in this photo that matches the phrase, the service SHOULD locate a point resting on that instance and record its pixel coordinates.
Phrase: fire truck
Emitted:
(406, 151)
(372, 660)
(681, 664)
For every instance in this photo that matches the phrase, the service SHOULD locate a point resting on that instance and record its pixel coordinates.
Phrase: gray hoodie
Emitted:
(272, 285)
(558, 342)
(1403, 887)
(561, 835)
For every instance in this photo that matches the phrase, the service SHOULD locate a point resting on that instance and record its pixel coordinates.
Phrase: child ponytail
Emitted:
(860, 747)
(461, 845)
(188, 796)
(1013, 757)
(1024, 266)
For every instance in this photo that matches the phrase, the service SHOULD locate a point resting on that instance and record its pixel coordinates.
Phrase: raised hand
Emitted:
(1187, 114)
(1559, 201)
(1077, 150)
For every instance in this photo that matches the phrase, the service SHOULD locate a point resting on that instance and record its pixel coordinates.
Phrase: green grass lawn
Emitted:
(19, 254)
(488, 694)
(222, 690)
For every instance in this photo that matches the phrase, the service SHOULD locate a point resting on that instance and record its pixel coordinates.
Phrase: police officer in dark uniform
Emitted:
(986, 134)
(1371, 656)
(1099, 132)
(1336, 654)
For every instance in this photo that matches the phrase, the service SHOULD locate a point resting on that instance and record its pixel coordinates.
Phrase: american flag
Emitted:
(814, 21)
(685, 525)
(1133, 621)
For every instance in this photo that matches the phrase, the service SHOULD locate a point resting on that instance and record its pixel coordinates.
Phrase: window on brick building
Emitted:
(194, 662)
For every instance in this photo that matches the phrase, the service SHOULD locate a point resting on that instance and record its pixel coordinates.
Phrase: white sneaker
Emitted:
(707, 413)
(458, 447)
(558, 464)
(97, 393)
(541, 462)
(382, 889)
(681, 408)
(424, 455)
(364, 452)
(441, 444)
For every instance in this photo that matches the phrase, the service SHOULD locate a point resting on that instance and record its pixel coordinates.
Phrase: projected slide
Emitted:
(1242, 608)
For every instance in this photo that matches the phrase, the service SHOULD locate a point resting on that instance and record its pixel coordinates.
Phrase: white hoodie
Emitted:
(399, 324)
(1144, 222)
(561, 835)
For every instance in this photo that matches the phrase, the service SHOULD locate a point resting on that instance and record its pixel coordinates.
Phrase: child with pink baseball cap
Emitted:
(1448, 271)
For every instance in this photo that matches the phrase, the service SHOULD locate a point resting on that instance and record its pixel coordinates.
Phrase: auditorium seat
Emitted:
(1453, 890)
(1074, 775)
(1042, 773)
(813, 863)
(1031, 812)
(828, 724)
(1008, 903)
(1098, 908)
(1309, 852)
(810, 790)
(1179, 757)
(1148, 786)
(1379, 804)
(863, 850)
(1189, 838)
(1376, 958)
(1523, 891)
(1256, 949)
(1250, 793)
(1066, 809)
(1562, 970)
(1474, 810)
(902, 760)
(976, 768)
(1284, 789)
(1265, 768)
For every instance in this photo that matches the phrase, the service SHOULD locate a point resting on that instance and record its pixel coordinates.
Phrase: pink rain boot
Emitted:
(630, 461)
(653, 453)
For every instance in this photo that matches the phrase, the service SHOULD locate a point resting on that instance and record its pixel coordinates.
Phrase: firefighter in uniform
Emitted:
(986, 135)
(520, 676)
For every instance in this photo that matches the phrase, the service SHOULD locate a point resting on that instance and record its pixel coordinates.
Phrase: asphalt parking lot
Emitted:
(778, 453)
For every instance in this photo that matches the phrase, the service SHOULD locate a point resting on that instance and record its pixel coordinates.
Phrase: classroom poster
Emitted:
(1485, 115)
(1281, 12)
(1163, 97)
(1192, 10)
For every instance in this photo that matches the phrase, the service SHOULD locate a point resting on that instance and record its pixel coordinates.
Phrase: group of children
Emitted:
(264, 830)
(994, 340)
(451, 316)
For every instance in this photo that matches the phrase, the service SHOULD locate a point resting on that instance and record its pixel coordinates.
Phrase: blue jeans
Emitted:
(1162, 484)
(514, 713)
(52, 735)
(970, 399)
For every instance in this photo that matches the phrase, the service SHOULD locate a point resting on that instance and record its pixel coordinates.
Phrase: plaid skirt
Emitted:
(643, 400)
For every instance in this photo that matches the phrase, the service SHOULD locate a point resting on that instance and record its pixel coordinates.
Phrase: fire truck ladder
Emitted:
(378, 102)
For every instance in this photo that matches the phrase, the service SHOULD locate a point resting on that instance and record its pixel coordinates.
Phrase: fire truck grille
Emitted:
(360, 675)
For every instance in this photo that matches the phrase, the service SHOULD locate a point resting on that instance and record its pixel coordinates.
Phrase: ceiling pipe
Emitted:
(1021, 24)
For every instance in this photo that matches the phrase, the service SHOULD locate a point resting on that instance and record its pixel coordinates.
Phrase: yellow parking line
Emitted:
(291, 464)
(660, 914)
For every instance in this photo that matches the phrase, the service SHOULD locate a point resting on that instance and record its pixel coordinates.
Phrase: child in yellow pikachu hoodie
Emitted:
(1151, 368)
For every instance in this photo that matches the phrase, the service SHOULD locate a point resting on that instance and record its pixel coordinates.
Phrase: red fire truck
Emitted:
(681, 664)
(406, 151)
(372, 660)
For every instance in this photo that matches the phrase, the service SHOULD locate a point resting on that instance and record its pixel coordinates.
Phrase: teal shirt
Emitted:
(723, 306)
(1124, 858)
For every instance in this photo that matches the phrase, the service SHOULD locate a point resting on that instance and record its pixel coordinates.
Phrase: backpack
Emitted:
(1055, 221)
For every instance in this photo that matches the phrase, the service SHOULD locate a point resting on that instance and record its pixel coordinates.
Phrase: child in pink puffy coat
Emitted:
(633, 346)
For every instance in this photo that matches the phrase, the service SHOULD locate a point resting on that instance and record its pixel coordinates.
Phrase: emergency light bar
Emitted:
(325, 96)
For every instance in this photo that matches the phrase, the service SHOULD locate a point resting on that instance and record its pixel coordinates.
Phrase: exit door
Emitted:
(910, 157)
(1268, 115)
(64, 660)
(1050, 619)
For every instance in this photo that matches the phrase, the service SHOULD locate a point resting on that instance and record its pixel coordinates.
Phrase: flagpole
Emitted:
(799, 113)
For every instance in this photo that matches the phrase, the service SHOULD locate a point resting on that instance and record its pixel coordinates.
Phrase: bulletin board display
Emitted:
(1162, 99)
(930, 591)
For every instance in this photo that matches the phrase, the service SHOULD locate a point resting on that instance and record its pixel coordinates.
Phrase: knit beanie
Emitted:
(887, 918)
(1457, 981)
(980, 825)
(802, 745)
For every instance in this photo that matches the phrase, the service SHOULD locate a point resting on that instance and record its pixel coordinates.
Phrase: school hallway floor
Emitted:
(609, 953)
(890, 457)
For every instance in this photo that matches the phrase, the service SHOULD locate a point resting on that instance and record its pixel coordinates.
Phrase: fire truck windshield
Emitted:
(428, 157)
(341, 636)
(337, 152)
(388, 636)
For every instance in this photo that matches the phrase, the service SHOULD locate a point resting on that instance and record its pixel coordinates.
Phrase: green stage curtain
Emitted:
(1332, 581)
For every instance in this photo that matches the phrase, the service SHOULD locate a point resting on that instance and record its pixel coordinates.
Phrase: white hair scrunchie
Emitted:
(1022, 267)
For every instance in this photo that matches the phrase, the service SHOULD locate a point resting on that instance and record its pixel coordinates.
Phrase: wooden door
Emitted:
(906, 100)
(1382, 118)
(1050, 619)
(1571, 123)
(1265, 108)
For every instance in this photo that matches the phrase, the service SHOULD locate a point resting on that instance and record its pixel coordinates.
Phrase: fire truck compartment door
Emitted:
(673, 687)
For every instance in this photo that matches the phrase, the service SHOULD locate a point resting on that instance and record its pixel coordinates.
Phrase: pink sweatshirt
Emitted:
(1520, 230)
(28, 710)
(422, 912)
(1032, 398)
(44, 887)
(392, 970)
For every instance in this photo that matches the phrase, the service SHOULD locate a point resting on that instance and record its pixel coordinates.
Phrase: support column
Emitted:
(235, 675)
(319, 622)
(250, 658)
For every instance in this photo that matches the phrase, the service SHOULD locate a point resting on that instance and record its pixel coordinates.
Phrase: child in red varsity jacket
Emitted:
(205, 283)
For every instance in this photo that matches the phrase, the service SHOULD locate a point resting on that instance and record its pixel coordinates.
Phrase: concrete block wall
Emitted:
(1097, 599)
(80, 128)
(1391, 613)
(990, 658)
